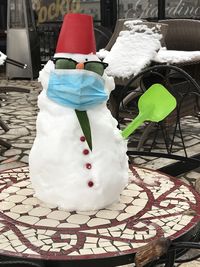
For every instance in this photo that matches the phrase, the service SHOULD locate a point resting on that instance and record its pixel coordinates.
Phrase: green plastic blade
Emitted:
(154, 105)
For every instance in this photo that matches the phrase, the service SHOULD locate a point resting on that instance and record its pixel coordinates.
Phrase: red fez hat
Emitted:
(77, 35)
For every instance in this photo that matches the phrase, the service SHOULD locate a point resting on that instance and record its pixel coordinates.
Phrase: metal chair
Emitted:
(187, 93)
(120, 27)
(14, 262)
(166, 252)
(102, 36)
(123, 106)
(184, 35)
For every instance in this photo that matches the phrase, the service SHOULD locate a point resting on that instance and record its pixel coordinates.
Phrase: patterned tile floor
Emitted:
(19, 110)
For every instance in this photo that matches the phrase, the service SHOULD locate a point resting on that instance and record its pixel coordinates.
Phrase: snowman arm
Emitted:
(2, 58)
(109, 83)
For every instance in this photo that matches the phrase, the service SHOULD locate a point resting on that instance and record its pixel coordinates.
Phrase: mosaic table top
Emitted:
(151, 206)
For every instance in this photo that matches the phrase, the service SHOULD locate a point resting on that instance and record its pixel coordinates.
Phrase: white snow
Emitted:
(136, 47)
(174, 56)
(57, 164)
(133, 50)
(102, 53)
(2, 58)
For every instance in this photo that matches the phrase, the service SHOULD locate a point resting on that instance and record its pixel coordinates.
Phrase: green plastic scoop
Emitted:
(154, 105)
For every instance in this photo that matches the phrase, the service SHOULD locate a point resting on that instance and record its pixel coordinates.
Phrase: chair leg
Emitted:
(170, 259)
(5, 144)
(145, 134)
(4, 126)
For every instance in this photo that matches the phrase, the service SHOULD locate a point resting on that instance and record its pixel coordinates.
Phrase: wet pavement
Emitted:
(19, 111)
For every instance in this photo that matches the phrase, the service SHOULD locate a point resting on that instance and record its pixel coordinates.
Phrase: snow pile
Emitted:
(133, 50)
(173, 56)
(2, 58)
(102, 53)
(59, 169)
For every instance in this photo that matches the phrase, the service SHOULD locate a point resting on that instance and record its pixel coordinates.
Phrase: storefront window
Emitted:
(17, 14)
(182, 9)
(138, 9)
(54, 10)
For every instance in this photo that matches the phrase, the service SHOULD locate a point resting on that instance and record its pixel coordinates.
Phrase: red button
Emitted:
(88, 166)
(86, 152)
(90, 184)
(82, 138)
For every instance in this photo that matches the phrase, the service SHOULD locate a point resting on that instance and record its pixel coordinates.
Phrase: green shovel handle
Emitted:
(133, 125)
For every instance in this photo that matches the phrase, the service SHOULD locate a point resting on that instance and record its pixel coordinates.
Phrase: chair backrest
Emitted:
(102, 36)
(182, 34)
(132, 47)
(170, 136)
(120, 26)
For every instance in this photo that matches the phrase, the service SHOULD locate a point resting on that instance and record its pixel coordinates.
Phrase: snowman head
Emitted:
(76, 49)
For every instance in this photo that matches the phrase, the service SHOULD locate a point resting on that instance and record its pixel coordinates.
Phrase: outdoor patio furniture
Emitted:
(181, 85)
(120, 27)
(154, 209)
(184, 35)
(3, 94)
(166, 138)
(102, 36)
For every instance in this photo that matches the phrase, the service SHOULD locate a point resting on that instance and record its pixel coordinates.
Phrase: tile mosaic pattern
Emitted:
(151, 206)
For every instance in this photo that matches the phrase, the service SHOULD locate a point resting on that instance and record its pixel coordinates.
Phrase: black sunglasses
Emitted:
(68, 63)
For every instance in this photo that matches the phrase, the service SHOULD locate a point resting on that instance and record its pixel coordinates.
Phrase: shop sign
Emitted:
(49, 10)
(148, 9)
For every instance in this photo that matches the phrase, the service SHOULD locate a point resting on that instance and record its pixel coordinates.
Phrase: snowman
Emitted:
(78, 160)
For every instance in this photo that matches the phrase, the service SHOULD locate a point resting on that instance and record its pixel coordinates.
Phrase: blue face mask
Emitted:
(77, 89)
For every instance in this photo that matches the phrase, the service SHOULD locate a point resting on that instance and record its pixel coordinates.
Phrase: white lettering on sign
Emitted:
(145, 9)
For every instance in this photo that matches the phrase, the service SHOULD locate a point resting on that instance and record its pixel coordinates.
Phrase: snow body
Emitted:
(58, 165)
